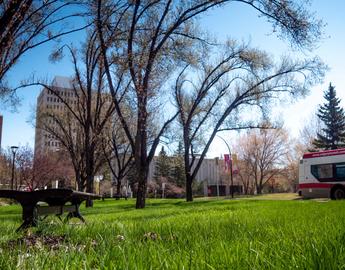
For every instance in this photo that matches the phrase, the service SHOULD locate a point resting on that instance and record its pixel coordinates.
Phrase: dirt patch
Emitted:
(5, 202)
(38, 241)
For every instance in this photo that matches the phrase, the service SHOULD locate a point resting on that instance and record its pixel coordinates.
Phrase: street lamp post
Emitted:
(231, 176)
(14, 150)
(217, 179)
(98, 179)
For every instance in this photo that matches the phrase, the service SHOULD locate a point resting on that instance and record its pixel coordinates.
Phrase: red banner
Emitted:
(227, 162)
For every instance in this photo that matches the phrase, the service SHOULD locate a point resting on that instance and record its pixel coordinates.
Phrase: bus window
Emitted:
(322, 171)
(340, 171)
(314, 171)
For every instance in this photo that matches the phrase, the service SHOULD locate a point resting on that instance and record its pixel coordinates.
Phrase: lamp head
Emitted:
(14, 149)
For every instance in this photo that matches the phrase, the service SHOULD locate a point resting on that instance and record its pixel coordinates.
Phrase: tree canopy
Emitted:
(332, 135)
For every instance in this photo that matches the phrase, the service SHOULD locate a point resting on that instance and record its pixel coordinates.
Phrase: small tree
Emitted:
(178, 176)
(116, 150)
(41, 169)
(332, 136)
(5, 168)
(292, 166)
(307, 135)
(245, 177)
(162, 168)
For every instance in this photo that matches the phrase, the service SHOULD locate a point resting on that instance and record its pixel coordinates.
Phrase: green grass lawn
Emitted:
(172, 234)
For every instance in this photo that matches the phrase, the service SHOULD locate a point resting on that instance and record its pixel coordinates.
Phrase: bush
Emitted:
(173, 191)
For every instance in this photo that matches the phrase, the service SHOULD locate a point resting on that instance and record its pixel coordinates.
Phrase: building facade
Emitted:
(47, 101)
(213, 175)
(55, 103)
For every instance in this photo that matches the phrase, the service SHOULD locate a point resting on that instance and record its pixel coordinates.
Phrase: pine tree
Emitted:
(163, 167)
(332, 115)
(178, 176)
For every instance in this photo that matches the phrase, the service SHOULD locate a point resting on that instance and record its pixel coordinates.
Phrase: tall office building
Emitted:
(47, 101)
(53, 103)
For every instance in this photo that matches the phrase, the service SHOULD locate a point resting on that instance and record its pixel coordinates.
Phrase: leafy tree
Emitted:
(162, 170)
(332, 136)
(177, 171)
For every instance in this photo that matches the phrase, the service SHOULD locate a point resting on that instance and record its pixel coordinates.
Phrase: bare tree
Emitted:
(299, 146)
(243, 78)
(5, 168)
(26, 24)
(41, 170)
(308, 133)
(264, 153)
(79, 120)
(152, 40)
(291, 168)
(245, 177)
(117, 152)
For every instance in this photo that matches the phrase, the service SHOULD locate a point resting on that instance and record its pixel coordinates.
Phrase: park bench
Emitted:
(56, 200)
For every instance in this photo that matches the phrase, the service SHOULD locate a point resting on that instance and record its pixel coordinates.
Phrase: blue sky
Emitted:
(234, 21)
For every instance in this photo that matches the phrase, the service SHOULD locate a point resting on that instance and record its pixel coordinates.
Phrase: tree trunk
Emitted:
(141, 159)
(258, 189)
(89, 189)
(141, 192)
(118, 189)
(89, 155)
(187, 168)
(260, 182)
(189, 188)
(142, 168)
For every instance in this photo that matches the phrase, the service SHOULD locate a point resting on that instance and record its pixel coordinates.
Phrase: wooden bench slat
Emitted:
(55, 210)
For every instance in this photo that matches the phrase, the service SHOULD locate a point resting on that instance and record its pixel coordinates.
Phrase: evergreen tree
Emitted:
(333, 118)
(178, 176)
(163, 167)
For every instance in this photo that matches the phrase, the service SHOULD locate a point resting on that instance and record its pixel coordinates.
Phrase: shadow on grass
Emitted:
(14, 218)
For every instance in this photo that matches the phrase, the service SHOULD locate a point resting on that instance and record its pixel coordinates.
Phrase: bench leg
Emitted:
(75, 214)
(29, 217)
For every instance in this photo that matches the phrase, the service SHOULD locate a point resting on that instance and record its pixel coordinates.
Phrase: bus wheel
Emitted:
(338, 194)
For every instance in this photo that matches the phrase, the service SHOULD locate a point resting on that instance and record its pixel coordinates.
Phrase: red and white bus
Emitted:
(322, 174)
